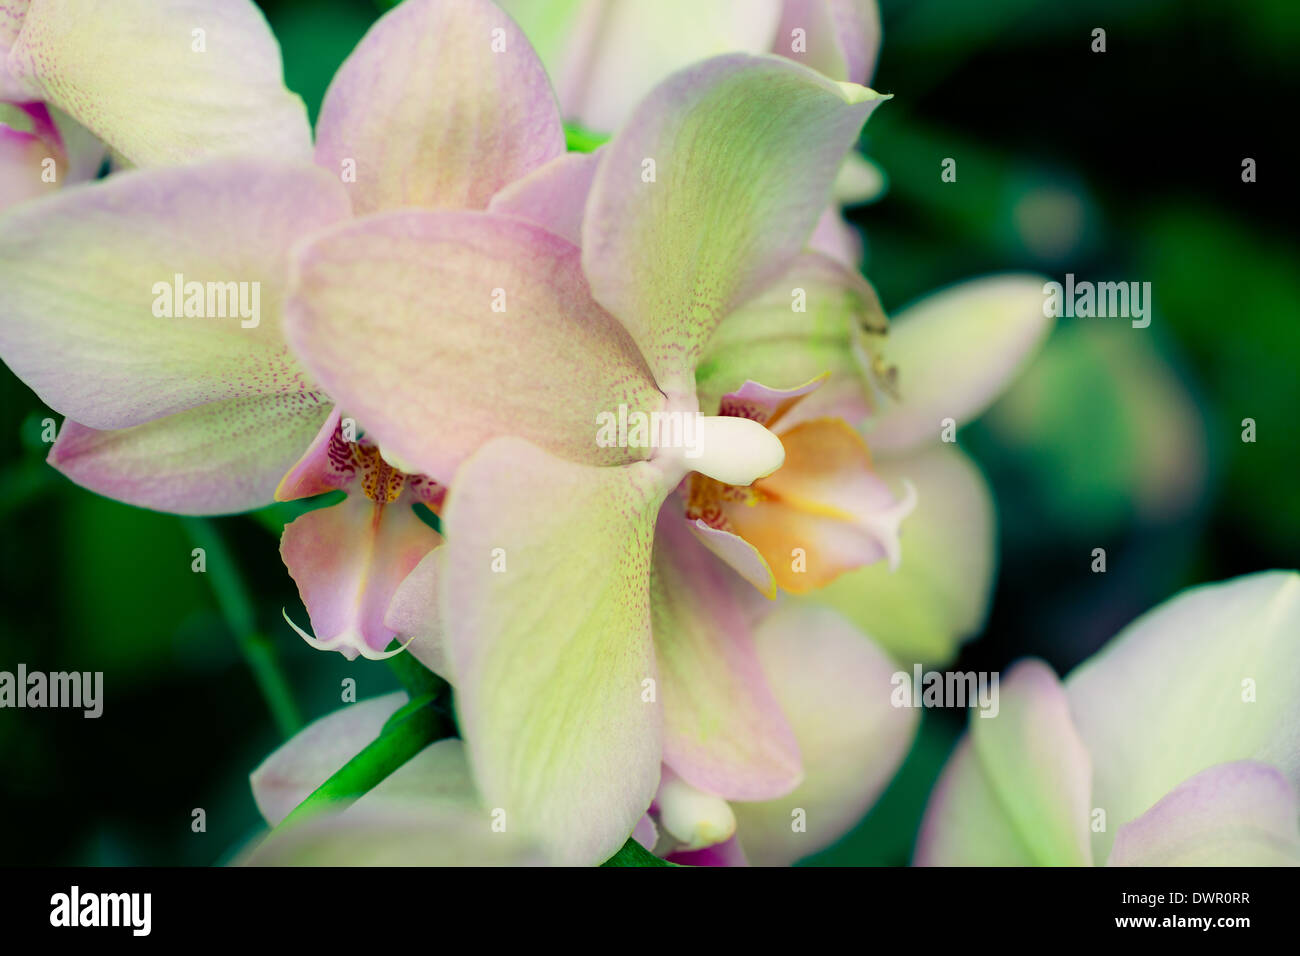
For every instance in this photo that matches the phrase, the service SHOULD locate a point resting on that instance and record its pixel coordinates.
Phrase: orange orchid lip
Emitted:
(822, 513)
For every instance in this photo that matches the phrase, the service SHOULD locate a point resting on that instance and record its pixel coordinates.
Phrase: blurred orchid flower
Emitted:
(208, 415)
(712, 188)
(158, 82)
(604, 57)
(1175, 745)
(957, 350)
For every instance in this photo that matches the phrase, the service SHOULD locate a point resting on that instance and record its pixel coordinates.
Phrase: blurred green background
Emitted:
(1117, 166)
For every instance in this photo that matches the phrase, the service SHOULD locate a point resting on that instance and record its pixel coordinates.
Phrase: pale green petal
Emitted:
(1016, 791)
(804, 324)
(546, 602)
(712, 189)
(90, 318)
(1207, 678)
(1233, 814)
(955, 351)
(860, 180)
(165, 81)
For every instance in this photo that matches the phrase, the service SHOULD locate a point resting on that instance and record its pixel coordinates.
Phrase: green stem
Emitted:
(410, 730)
(237, 609)
(418, 680)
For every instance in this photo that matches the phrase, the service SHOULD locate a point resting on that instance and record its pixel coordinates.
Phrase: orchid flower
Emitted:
(1177, 744)
(157, 82)
(545, 583)
(833, 686)
(604, 57)
(957, 350)
(208, 415)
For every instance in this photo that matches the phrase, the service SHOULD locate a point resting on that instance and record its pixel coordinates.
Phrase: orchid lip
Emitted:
(347, 641)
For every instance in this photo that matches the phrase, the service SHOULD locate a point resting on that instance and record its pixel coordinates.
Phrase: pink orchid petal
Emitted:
(553, 196)
(841, 38)
(12, 13)
(833, 685)
(348, 560)
(1234, 814)
(741, 556)
(724, 732)
(220, 458)
(394, 315)
(764, 404)
(414, 617)
(325, 466)
(546, 601)
(442, 103)
(807, 322)
(85, 271)
(745, 150)
(604, 57)
(1016, 792)
(646, 833)
(131, 72)
(26, 155)
(289, 775)
(834, 237)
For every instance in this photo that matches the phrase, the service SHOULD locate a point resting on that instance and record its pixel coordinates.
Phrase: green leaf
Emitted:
(634, 854)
